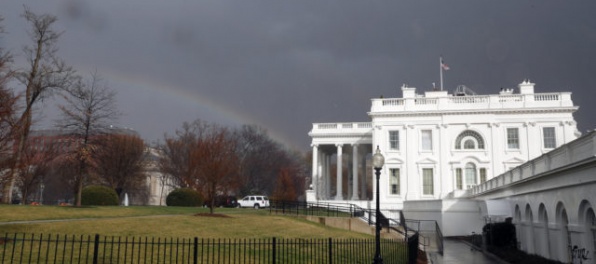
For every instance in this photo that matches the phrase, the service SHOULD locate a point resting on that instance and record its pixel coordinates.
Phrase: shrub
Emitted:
(184, 197)
(500, 234)
(99, 195)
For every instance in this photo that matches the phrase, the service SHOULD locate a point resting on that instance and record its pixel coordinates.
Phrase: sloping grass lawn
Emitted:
(164, 222)
(9, 213)
(139, 234)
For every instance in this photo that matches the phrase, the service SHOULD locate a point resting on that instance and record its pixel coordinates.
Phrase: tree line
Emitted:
(216, 160)
(207, 157)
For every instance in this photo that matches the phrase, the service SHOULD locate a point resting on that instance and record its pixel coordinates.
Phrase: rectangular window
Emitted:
(482, 175)
(427, 182)
(550, 139)
(470, 175)
(394, 140)
(394, 181)
(512, 138)
(427, 139)
(459, 184)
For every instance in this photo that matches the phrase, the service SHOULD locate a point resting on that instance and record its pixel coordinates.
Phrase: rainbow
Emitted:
(218, 112)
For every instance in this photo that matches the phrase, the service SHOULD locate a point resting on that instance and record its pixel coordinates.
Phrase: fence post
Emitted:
(330, 251)
(95, 248)
(196, 250)
(274, 251)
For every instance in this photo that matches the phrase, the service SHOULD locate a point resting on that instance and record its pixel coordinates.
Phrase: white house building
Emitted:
(436, 145)
(159, 185)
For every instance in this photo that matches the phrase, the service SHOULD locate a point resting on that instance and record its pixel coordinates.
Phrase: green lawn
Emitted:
(130, 234)
(10, 213)
(163, 222)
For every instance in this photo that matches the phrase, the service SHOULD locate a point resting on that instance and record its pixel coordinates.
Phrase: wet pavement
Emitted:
(458, 252)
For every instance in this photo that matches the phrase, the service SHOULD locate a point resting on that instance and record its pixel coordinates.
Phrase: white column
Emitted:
(321, 180)
(339, 177)
(315, 170)
(355, 172)
(327, 177)
(363, 172)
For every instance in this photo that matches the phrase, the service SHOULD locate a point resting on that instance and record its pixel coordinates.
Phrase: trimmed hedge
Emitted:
(99, 195)
(500, 234)
(184, 197)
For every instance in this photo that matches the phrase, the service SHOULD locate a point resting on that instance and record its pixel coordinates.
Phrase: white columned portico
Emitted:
(316, 172)
(355, 172)
(339, 195)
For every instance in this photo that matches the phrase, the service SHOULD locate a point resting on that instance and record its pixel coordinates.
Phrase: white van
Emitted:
(255, 201)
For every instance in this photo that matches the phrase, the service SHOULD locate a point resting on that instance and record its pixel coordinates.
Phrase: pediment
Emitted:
(514, 160)
(426, 161)
(467, 159)
(394, 161)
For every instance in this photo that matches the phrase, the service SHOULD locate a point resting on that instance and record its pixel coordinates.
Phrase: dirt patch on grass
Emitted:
(212, 215)
(3, 241)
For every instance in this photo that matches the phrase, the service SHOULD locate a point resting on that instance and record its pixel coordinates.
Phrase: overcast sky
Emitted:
(284, 65)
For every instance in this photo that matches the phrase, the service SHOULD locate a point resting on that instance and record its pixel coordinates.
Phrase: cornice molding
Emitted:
(342, 136)
(474, 112)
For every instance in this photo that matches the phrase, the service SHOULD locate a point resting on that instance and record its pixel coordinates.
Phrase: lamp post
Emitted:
(378, 161)
(41, 187)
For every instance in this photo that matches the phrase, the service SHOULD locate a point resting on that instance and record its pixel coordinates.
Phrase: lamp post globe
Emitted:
(378, 161)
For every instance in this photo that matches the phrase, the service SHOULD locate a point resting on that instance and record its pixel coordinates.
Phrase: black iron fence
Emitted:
(411, 238)
(31, 248)
(318, 209)
(430, 233)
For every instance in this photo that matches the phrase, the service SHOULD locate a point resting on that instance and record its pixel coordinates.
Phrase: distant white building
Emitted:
(436, 145)
(158, 183)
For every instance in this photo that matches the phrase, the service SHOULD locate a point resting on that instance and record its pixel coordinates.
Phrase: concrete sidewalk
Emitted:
(458, 252)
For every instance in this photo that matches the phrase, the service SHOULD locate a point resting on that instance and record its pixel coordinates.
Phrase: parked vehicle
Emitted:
(255, 201)
(223, 201)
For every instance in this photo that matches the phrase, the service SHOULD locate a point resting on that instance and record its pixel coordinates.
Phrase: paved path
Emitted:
(457, 252)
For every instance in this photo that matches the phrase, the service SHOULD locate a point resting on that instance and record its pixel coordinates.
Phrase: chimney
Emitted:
(408, 92)
(526, 87)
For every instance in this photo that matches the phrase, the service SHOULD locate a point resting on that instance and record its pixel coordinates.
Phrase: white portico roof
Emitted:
(341, 133)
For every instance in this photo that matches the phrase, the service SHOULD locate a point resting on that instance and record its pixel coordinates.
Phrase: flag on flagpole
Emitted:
(444, 66)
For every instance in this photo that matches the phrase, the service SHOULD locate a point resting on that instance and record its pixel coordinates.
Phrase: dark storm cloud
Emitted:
(289, 64)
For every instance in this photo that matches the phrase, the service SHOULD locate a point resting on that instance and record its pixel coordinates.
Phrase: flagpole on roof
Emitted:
(441, 71)
(442, 67)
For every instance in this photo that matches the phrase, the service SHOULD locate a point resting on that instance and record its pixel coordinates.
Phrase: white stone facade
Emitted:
(436, 145)
(159, 185)
(552, 201)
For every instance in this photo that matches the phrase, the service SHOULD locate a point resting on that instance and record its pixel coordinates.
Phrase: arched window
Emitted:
(591, 224)
(470, 175)
(469, 140)
(470, 144)
(529, 219)
(543, 247)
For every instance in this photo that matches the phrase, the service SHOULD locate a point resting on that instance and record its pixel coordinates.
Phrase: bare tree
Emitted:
(7, 112)
(88, 110)
(174, 161)
(44, 73)
(203, 157)
(285, 189)
(258, 154)
(262, 159)
(36, 161)
(216, 163)
(119, 164)
(7, 116)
